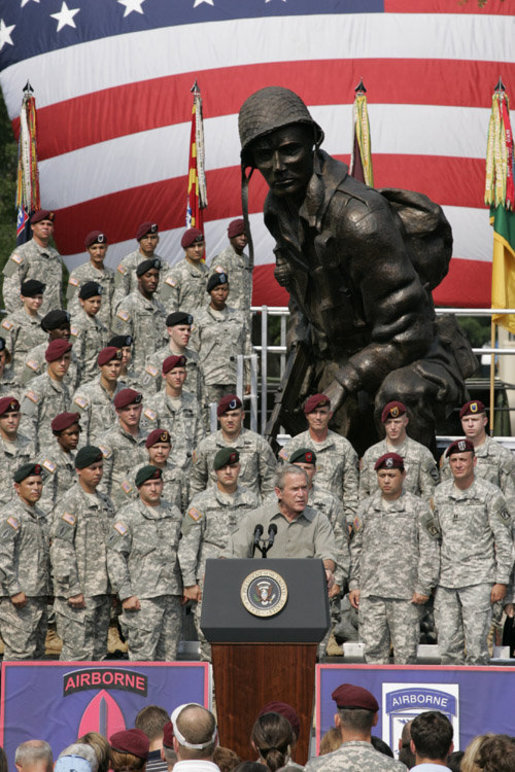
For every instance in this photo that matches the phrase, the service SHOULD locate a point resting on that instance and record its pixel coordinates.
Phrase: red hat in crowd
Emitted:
(145, 228)
(127, 397)
(9, 405)
(229, 402)
(107, 354)
(459, 446)
(236, 228)
(41, 214)
(56, 349)
(390, 461)
(64, 421)
(284, 710)
(168, 735)
(191, 236)
(474, 407)
(173, 361)
(131, 741)
(350, 696)
(95, 237)
(316, 400)
(392, 410)
(157, 435)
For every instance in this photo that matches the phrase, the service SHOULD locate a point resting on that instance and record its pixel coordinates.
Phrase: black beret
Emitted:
(148, 472)
(90, 290)
(27, 470)
(215, 279)
(87, 456)
(55, 319)
(31, 288)
(119, 341)
(305, 455)
(225, 456)
(178, 317)
(2, 343)
(147, 265)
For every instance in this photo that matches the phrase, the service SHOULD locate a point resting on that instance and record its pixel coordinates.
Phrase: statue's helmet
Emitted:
(269, 109)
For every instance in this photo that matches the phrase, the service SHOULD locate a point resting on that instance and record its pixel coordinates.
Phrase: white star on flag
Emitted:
(199, 2)
(132, 6)
(24, 2)
(5, 34)
(65, 17)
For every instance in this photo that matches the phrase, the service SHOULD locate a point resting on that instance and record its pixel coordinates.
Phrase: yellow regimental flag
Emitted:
(503, 265)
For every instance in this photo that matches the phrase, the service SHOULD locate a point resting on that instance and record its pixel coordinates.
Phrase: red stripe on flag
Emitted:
(101, 116)
(467, 279)
(439, 178)
(492, 7)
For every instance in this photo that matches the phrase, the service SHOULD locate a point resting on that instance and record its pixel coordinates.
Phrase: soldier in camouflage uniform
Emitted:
(419, 465)
(221, 334)
(94, 270)
(357, 713)
(58, 463)
(123, 447)
(394, 565)
(129, 378)
(81, 524)
(177, 411)
(144, 571)
(494, 462)
(175, 483)
(88, 333)
(212, 516)
(47, 395)
(178, 326)
(141, 315)
(234, 262)
(33, 260)
(188, 278)
(22, 329)
(126, 280)
(8, 384)
(15, 449)
(257, 461)
(476, 558)
(24, 568)
(57, 325)
(337, 461)
(94, 400)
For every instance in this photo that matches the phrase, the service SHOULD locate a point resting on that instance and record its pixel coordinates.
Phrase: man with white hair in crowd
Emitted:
(34, 756)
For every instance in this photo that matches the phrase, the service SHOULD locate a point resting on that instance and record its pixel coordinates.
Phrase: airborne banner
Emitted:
(60, 701)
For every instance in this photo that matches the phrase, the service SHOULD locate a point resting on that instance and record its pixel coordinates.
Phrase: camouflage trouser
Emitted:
(463, 615)
(389, 620)
(23, 630)
(154, 631)
(83, 630)
(205, 647)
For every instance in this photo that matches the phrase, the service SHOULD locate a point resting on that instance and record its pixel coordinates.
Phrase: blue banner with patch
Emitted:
(60, 701)
(474, 699)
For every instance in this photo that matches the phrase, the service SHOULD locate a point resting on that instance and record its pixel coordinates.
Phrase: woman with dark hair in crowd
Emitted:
(272, 738)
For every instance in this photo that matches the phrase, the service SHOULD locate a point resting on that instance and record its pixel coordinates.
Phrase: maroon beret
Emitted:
(392, 410)
(157, 435)
(95, 237)
(127, 397)
(131, 741)
(460, 446)
(190, 236)
(284, 710)
(350, 696)
(474, 407)
(316, 400)
(236, 228)
(64, 421)
(9, 405)
(390, 461)
(57, 349)
(229, 402)
(107, 354)
(145, 228)
(168, 735)
(41, 214)
(173, 361)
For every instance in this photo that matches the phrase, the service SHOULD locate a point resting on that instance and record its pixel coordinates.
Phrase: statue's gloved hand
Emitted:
(283, 275)
(336, 393)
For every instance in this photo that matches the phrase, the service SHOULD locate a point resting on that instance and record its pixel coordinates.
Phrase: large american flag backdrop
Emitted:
(112, 80)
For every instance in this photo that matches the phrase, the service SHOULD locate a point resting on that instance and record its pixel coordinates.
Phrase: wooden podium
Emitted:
(261, 653)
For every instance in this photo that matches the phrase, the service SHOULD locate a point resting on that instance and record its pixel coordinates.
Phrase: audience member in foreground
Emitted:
(272, 738)
(431, 740)
(34, 756)
(129, 750)
(194, 738)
